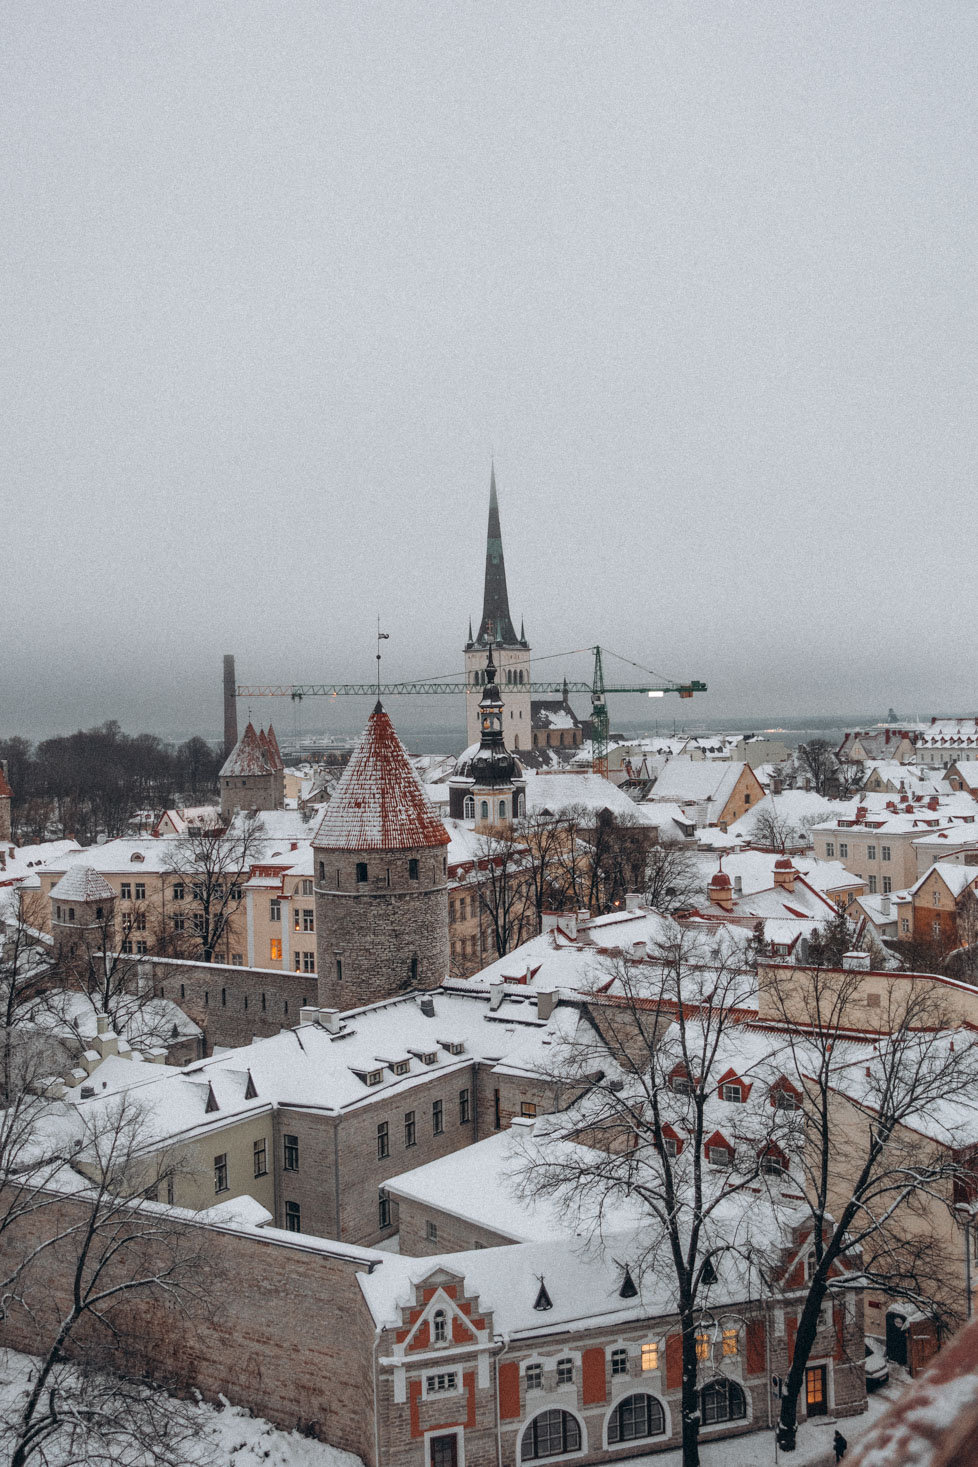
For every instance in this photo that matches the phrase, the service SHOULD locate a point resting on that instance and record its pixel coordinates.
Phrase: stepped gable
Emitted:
(247, 756)
(82, 884)
(273, 749)
(379, 804)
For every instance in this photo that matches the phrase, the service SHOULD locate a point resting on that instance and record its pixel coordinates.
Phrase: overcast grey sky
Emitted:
(278, 277)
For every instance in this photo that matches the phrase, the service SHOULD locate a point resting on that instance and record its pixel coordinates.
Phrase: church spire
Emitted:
(496, 625)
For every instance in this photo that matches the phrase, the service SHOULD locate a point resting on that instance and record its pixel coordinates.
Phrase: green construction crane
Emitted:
(597, 690)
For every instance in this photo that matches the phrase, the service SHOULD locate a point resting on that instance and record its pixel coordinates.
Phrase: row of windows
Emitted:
(514, 675)
(781, 1095)
(290, 1161)
(501, 811)
(362, 873)
(411, 1125)
(557, 1433)
(887, 884)
(885, 851)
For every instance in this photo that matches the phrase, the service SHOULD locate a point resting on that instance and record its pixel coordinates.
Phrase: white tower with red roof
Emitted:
(381, 878)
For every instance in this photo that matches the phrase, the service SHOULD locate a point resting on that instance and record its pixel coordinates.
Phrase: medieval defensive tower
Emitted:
(381, 878)
(512, 652)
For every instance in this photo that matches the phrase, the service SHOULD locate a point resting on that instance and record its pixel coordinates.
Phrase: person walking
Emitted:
(840, 1444)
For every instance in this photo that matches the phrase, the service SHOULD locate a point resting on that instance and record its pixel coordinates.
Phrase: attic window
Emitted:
(403, 1067)
(733, 1093)
(681, 1084)
(212, 1104)
(429, 1057)
(454, 1047)
(250, 1092)
(374, 1077)
(137, 856)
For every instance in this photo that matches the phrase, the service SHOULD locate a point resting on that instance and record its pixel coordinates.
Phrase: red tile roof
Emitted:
(379, 804)
(247, 756)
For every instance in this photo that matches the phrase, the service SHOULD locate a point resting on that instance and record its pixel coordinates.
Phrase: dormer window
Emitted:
(453, 1046)
(374, 1077)
(681, 1084)
(733, 1093)
(403, 1067)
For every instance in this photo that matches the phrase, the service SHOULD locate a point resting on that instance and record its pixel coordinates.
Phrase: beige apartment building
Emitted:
(882, 846)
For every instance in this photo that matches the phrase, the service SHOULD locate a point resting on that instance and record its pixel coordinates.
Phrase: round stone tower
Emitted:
(82, 914)
(381, 878)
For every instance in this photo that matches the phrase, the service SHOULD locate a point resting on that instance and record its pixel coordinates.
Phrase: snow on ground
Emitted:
(814, 1447)
(229, 1436)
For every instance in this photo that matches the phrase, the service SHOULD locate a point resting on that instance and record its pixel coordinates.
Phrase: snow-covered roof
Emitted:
(552, 793)
(311, 1067)
(250, 756)
(82, 884)
(961, 731)
(955, 877)
(379, 802)
(683, 780)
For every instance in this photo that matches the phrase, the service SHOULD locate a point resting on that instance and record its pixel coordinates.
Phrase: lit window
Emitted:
(702, 1347)
(275, 949)
(731, 1342)
(650, 1356)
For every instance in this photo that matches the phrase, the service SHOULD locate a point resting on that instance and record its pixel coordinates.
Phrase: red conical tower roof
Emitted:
(379, 804)
(273, 749)
(247, 756)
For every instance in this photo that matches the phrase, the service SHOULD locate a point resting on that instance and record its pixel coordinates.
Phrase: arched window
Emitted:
(722, 1400)
(551, 1434)
(484, 809)
(439, 1323)
(520, 805)
(521, 674)
(468, 808)
(636, 1417)
(502, 809)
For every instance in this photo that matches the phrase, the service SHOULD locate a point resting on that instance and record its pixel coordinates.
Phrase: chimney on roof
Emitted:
(427, 1005)
(545, 1003)
(639, 952)
(496, 995)
(549, 921)
(567, 922)
(633, 901)
(308, 1014)
(785, 873)
(330, 1020)
(101, 1024)
(884, 906)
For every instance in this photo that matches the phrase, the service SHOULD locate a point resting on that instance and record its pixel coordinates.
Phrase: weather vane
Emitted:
(381, 637)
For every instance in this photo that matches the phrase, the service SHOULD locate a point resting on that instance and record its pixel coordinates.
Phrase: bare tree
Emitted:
(651, 1065)
(771, 831)
(118, 1258)
(505, 892)
(850, 776)
(672, 879)
(870, 1173)
(817, 760)
(211, 863)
